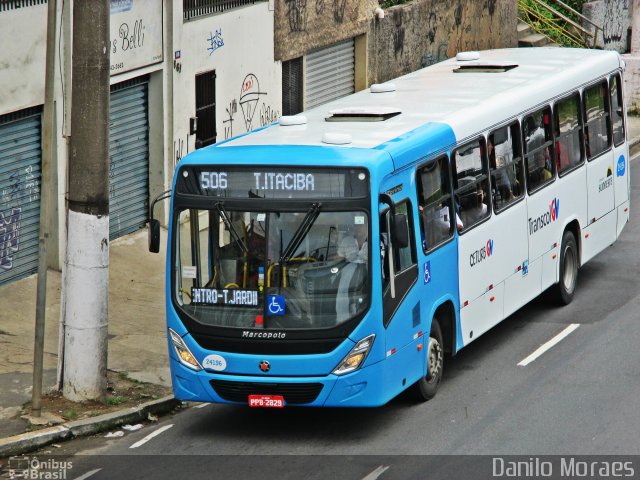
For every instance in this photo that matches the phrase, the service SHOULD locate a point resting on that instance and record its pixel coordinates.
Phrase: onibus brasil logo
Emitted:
(546, 218)
(481, 254)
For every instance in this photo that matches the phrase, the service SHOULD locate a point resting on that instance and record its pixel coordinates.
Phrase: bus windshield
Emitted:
(305, 269)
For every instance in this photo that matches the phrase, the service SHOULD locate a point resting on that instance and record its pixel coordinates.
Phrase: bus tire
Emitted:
(426, 388)
(568, 277)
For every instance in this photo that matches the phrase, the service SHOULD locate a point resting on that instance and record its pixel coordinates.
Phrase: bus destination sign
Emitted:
(273, 183)
(226, 296)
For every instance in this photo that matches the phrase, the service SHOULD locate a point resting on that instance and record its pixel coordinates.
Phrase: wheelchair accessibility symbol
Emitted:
(427, 273)
(276, 305)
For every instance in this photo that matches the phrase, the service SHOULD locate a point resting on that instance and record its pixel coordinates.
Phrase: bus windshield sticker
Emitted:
(230, 296)
(276, 305)
(214, 362)
(189, 271)
(358, 220)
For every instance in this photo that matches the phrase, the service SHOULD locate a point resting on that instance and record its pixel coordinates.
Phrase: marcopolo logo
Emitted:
(546, 218)
(481, 254)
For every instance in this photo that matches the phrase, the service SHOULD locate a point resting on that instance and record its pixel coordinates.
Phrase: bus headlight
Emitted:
(356, 356)
(184, 354)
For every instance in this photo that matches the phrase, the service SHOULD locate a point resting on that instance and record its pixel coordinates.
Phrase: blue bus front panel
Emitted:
(370, 386)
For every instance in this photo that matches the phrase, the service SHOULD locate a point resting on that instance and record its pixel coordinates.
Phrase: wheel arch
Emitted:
(574, 227)
(446, 317)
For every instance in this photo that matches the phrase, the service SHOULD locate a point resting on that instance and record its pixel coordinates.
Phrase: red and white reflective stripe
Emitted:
(391, 352)
(417, 335)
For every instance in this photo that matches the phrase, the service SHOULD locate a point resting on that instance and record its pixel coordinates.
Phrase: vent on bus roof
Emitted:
(479, 67)
(369, 114)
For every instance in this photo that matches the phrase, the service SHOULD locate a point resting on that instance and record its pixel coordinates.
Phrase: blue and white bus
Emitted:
(335, 257)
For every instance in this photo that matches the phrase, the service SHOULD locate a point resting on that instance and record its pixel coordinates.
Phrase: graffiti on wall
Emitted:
(23, 188)
(616, 22)
(249, 97)
(231, 110)
(297, 15)
(250, 102)
(268, 115)
(215, 41)
(9, 237)
(298, 12)
(338, 10)
(181, 148)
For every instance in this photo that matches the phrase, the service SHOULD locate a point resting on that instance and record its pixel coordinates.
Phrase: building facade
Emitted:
(189, 73)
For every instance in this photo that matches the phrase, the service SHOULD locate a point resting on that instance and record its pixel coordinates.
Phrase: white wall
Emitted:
(238, 45)
(22, 57)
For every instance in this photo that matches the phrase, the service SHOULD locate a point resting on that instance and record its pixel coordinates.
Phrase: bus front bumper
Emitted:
(362, 388)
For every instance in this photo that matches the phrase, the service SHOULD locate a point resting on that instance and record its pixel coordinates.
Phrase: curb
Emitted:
(27, 442)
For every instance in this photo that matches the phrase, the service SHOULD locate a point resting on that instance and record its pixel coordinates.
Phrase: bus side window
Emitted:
(506, 166)
(568, 131)
(538, 148)
(617, 109)
(597, 128)
(434, 203)
(404, 257)
(471, 183)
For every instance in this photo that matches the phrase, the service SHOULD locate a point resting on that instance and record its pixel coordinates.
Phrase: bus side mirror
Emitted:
(400, 230)
(154, 235)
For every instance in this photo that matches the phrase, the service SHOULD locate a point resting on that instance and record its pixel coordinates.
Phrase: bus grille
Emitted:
(293, 393)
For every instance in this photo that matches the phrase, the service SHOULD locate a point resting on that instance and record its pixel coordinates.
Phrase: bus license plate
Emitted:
(268, 401)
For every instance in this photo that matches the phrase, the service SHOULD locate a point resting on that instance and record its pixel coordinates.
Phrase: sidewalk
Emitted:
(137, 335)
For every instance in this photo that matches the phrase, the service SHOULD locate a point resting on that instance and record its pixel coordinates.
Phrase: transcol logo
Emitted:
(546, 218)
(481, 254)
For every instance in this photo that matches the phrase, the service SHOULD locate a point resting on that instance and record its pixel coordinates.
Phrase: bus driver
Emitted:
(353, 249)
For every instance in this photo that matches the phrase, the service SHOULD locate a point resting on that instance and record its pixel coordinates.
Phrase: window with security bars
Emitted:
(206, 108)
(199, 8)
(6, 5)
(292, 86)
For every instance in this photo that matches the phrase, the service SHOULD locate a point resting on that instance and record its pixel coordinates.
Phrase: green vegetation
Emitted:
(70, 414)
(547, 23)
(114, 401)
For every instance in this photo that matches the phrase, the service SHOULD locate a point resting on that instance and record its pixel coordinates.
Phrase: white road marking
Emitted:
(150, 436)
(202, 405)
(376, 473)
(88, 474)
(543, 348)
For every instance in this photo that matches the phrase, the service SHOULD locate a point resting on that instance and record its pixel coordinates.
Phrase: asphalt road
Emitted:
(580, 397)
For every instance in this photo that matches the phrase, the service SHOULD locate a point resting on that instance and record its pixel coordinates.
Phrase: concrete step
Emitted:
(533, 40)
(524, 29)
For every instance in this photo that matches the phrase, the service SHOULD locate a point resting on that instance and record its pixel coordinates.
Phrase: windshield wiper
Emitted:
(307, 222)
(227, 223)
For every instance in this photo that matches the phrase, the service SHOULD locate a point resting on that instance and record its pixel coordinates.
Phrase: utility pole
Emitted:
(47, 163)
(86, 286)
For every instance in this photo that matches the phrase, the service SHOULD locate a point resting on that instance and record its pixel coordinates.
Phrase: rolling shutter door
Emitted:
(129, 155)
(330, 73)
(20, 161)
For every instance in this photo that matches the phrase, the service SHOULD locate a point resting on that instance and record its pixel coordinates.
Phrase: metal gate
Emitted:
(330, 73)
(129, 155)
(20, 161)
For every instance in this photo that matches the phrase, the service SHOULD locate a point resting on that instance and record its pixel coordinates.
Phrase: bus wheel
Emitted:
(426, 388)
(568, 269)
